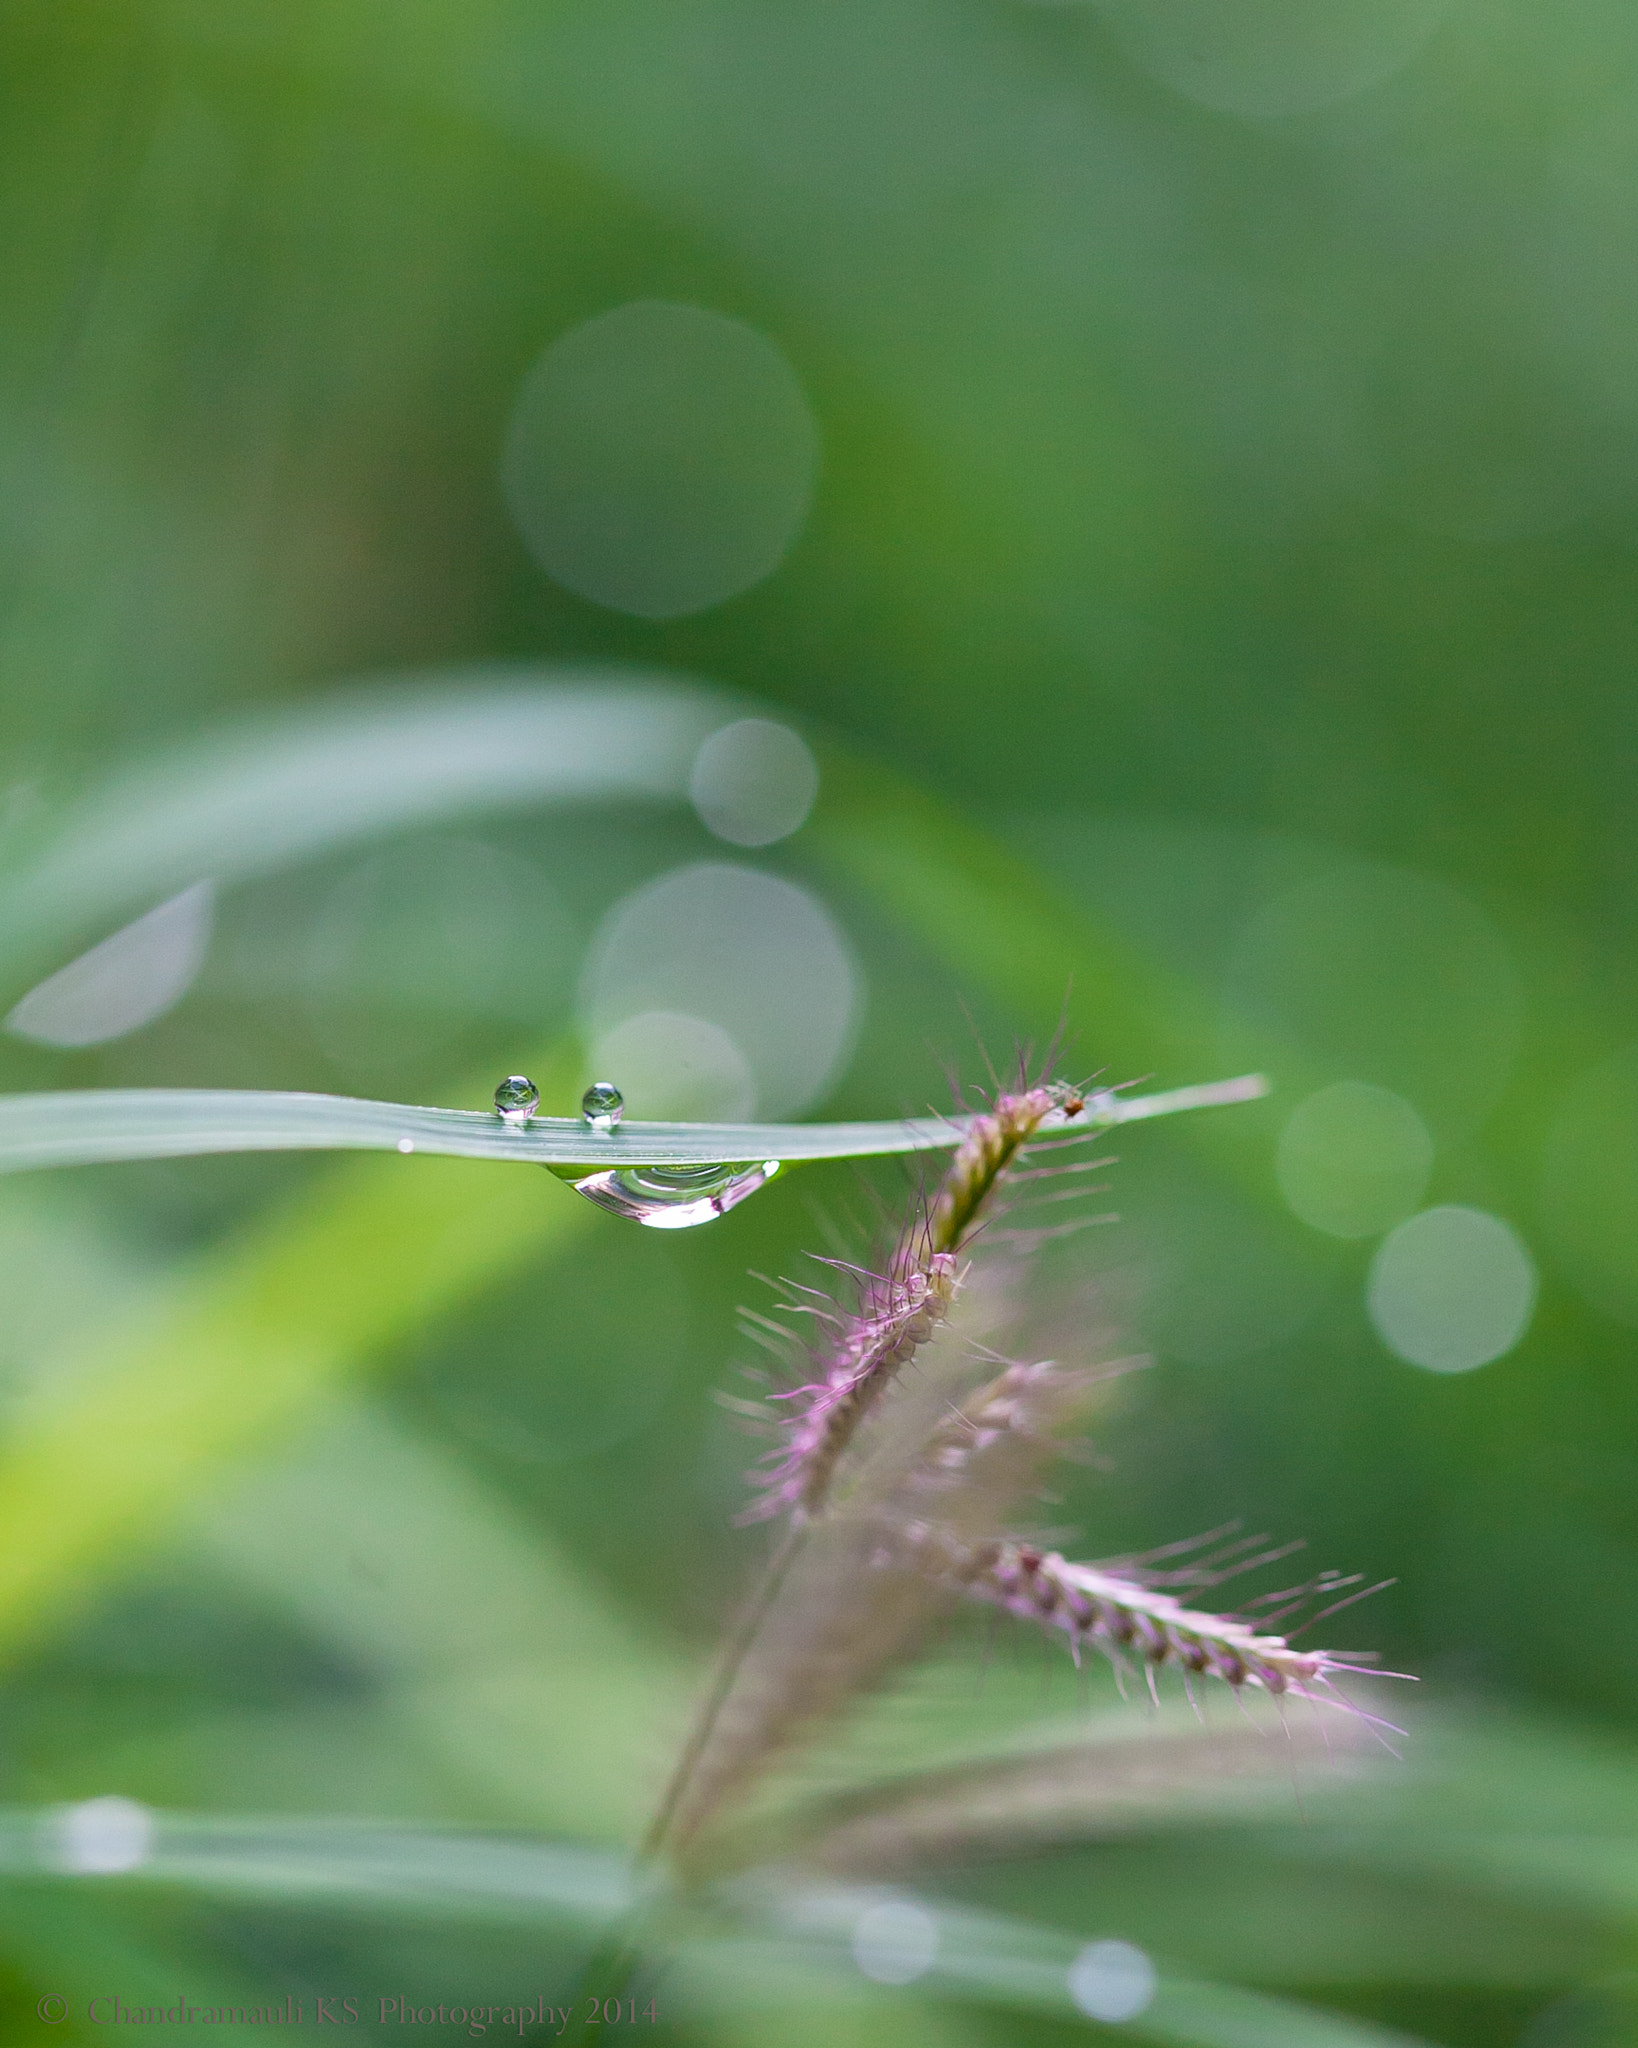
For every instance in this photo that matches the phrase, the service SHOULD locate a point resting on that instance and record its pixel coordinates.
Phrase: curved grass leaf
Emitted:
(1024, 1967)
(267, 793)
(92, 1125)
(375, 1863)
(1014, 1964)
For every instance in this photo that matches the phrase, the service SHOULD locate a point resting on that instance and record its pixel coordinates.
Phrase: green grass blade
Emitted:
(376, 1864)
(1013, 1964)
(1022, 1966)
(263, 795)
(94, 1125)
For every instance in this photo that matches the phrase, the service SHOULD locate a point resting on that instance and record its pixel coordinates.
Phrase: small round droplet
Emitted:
(602, 1106)
(516, 1099)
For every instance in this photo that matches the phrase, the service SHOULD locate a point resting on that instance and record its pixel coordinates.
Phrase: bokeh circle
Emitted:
(660, 458)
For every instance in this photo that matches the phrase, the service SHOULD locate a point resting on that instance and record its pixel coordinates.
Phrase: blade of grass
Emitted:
(1024, 1967)
(93, 1125)
(263, 795)
(267, 793)
(371, 1864)
(996, 1960)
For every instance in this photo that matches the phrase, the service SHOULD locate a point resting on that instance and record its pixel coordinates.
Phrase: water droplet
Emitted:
(516, 1099)
(672, 1197)
(602, 1106)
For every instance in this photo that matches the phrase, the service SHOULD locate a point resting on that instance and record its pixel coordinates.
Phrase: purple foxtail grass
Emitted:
(896, 1314)
(1121, 1616)
(750, 1712)
(906, 1451)
(896, 1311)
(897, 1477)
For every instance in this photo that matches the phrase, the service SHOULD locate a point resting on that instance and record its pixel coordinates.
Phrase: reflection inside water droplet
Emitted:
(516, 1099)
(602, 1106)
(671, 1197)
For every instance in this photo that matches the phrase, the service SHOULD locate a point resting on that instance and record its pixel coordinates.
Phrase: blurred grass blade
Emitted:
(124, 981)
(1025, 1967)
(270, 792)
(370, 1863)
(1114, 1781)
(1013, 1964)
(79, 1127)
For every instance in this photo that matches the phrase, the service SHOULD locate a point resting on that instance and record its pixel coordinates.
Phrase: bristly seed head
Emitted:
(990, 1146)
(896, 1314)
(898, 1311)
(880, 1526)
(1116, 1615)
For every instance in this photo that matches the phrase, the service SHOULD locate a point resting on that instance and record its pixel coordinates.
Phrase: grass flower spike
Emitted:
(896, 1312)
(1119, 1616)
(910, 1450)
(895, 1316)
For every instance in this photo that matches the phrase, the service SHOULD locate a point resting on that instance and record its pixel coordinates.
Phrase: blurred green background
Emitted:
(1175, 463)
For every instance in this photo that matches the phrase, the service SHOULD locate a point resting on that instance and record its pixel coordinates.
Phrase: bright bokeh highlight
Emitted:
(1451, 1289)
(754, 782)
(1353, 1160)
(895, 1942)
(1112, 1981)
(758, 957)
(660, 458)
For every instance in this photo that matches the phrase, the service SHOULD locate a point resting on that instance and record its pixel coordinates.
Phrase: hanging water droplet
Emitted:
(672, 1197)
(516, 1099)
(602, 1106)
